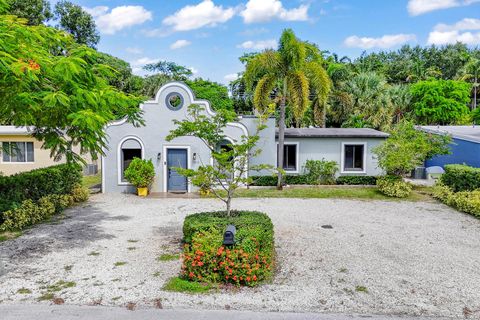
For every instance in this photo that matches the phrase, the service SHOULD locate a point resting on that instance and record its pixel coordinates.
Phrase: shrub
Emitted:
(31, 212)
(80, 193)
(140, 173)
(249, 261)
(357, 180)
(321, 171)
(271, 181)
(466, 201)
(35, 184)
(461, 177)
(394, 186)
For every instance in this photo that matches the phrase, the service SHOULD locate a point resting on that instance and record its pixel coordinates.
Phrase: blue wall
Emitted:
(461, 152)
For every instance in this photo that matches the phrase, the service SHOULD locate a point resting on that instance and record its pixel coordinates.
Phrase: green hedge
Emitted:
(249, 261)
(460, 177)
(35, 184)
(466, 201)
(357, 180)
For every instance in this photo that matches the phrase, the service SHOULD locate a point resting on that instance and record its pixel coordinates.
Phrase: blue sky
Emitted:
(210, 35)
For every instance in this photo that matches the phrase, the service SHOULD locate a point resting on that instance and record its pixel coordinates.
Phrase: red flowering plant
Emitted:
(247, 262)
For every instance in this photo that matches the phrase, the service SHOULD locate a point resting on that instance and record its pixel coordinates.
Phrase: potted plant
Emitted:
(140, 173)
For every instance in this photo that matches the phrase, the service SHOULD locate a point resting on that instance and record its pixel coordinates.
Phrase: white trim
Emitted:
(297, 156)
(103, 173)
(165, 159)
(119, 157)
(342, 159)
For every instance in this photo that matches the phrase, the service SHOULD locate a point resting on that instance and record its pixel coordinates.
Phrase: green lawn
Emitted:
(8, 235)
(90, 181)
(362, 193)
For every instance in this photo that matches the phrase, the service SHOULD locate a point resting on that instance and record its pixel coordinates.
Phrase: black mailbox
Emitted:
(229, 236)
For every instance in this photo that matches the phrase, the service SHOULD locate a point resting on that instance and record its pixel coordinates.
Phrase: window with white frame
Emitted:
(17, 152)
(354, 157)
(130, 149)
(289, 157)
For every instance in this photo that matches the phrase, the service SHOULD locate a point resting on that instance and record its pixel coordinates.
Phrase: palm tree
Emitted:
(471, 72)
(290, 75)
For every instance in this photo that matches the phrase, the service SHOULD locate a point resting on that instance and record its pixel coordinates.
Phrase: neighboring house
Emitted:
(25, 152)
(350, 148)
(464, 149)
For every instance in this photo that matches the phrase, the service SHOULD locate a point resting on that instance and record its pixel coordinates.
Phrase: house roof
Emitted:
(333, 133)
(13, 130)
(468, 133)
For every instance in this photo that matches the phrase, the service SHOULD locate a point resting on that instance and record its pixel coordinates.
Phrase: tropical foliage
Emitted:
(291, 76)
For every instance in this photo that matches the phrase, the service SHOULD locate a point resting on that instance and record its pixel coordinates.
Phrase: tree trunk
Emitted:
(281, 136)
(229, 203)
(324, 115)
(475, 94)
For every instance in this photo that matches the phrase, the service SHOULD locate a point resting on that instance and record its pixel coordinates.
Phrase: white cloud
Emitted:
(418, 7)
(194, 70)
(118, 18)
(134, 50)
(466, 31)
(259, 45)
(179, 44)
(386, 41)
(137, 65)
(266, 10)
(231, 77)
(204, 14)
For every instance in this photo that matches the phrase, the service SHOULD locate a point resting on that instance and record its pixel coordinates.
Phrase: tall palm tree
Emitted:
(471, 72)
(289, 75)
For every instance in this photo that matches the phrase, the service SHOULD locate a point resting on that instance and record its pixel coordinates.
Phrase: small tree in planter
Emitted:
(230, 160)
(141, 174)
(406, 149)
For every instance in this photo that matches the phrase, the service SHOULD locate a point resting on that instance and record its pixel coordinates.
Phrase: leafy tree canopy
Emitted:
(76, 21)
(407, 148)
(441, 101)
(35, 11)
(56, 85)
(214, 92)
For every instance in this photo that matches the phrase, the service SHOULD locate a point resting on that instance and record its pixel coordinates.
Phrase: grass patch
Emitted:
(68, 268)
(324, 192)
(132, 248)
(168, 257)
(180, 285)
(116, 298)
(46, 296)
(60, 285)
(157, 274)
(24, 291)
(119, 263)
(90, 181)
(94, 253)
(132, 240)
(361, 289)
(9, 235)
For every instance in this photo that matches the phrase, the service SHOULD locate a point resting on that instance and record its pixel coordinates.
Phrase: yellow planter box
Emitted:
(142, 192)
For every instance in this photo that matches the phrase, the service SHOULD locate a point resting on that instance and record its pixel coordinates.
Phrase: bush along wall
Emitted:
(31, 197)
(206, 259)
(465, 201)
(357, 180)
(461, 177)
(307, 179)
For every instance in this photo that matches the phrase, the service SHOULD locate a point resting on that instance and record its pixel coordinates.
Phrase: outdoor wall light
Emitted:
(194, 156)
(159, 156)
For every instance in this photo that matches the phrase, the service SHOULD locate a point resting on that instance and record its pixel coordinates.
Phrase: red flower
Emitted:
(191, 275)
(248, 279)
(200, 263)
(235, 278)
(254, 278)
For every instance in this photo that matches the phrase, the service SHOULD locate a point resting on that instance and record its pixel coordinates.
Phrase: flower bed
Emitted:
(206, 259)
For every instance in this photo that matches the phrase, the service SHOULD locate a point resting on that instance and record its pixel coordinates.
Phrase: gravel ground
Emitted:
(409, 258)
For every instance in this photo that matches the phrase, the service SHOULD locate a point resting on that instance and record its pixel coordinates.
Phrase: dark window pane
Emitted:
(6, 151)
(30, 154)
(290, 157)
(127, 157)
(353, 158)
(18, 152)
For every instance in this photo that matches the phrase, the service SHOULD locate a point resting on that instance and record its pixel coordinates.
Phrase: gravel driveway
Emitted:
(378, 257)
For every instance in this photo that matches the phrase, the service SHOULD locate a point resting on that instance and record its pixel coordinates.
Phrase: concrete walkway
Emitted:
(69, 312)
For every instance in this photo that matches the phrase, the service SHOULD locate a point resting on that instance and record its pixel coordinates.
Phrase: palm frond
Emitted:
(292, 51)
(261, 97)
(319, 80)
(267, 62)
(297, 84)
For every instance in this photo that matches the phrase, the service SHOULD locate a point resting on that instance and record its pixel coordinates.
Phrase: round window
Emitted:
(174, 101)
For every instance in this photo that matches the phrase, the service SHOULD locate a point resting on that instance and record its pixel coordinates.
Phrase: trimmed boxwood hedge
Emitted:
(36, 184)
(306, 179)
(357, 180)
(460, 177)
(248, 262)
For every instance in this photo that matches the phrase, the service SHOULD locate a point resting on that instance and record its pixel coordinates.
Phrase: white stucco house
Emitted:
(350, 148)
